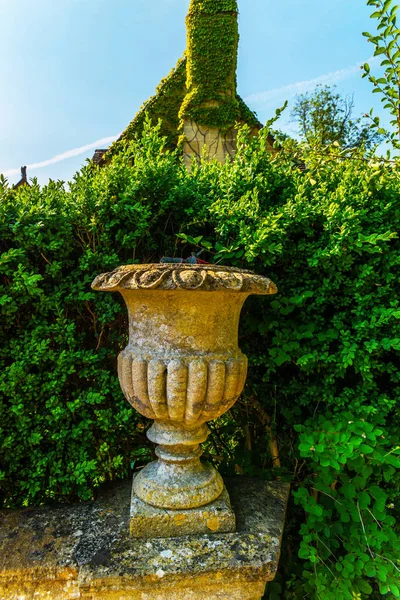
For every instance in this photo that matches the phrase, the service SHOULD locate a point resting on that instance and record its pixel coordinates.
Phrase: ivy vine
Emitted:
(212, 45)
(164, 106)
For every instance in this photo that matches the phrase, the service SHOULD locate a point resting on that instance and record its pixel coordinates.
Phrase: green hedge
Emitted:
(324, 374)
(64, 424)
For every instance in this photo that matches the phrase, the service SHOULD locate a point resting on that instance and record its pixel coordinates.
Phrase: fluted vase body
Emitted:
(182, 367)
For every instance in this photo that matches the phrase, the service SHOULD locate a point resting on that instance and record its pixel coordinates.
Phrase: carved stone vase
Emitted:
(182, 367)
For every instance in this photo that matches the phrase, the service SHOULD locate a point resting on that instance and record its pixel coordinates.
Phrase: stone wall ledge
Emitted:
(84, 551)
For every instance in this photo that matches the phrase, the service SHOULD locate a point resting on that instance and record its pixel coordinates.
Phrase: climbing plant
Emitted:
(211, 64)
(163, 106)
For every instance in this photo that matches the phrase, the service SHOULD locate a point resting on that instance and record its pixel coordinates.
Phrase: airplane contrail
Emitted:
(65, 155)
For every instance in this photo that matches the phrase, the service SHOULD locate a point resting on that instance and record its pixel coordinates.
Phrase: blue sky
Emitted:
(74, 72)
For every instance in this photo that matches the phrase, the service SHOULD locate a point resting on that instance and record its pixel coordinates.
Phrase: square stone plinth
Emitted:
(86, 551)
(150, 522)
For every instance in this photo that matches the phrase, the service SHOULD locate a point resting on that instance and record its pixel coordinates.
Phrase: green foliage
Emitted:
(324, 355)
(387, 47)
(64, 424)
(324, 379)
(213, 7)
(324, 117)
(213, 39)
(350, 511)
(164, 106)
(207, 75)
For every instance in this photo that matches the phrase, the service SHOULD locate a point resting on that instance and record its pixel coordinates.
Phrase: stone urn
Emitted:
(182, 367)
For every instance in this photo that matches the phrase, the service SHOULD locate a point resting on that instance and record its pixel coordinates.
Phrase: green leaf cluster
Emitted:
(386, 41)
(350, 520)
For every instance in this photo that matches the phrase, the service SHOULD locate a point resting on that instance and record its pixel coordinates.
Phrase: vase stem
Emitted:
(178, 479)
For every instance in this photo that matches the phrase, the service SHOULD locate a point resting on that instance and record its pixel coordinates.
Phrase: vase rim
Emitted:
(184, 277)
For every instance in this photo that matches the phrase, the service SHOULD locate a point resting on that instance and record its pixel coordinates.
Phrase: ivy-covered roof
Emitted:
(202, 86)
(166, 104)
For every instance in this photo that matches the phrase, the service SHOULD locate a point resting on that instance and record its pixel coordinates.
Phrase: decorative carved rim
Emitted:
(182, 276)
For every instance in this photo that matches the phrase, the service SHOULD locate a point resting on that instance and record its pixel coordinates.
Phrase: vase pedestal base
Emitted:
(148, 521)
(178, 480)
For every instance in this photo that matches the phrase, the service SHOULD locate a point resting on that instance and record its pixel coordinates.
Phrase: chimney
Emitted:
(210, 108)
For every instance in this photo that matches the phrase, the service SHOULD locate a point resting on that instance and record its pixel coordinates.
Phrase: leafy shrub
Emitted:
(324, 353)
(64, 424)
(320, 407)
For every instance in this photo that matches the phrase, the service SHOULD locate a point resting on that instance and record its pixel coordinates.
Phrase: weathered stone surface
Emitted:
(85, 551)
(150, 522)
(208, 142)
(184, 277)
(211, 143)
(182, 366)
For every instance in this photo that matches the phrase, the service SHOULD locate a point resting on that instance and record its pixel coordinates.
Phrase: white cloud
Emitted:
(300, 87)
(104, 142)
